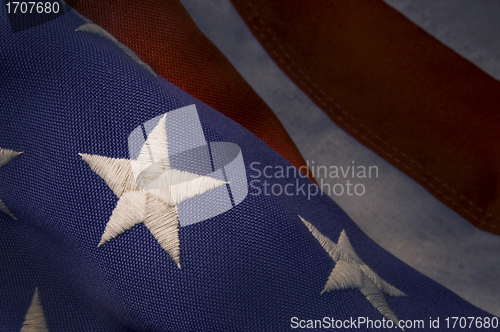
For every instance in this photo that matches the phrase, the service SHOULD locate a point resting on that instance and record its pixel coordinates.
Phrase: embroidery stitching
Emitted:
(350, 272)
(7, 156)
(35, 318)
(149, 190)
(428, 178)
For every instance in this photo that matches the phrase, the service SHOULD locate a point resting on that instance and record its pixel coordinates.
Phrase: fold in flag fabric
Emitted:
(163, 35)
(249, 263)
(397, 90)
(396, 212)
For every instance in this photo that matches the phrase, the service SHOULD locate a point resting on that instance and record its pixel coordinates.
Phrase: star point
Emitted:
(350, 272)
(7, 156)
(149, 191)
(34, 320)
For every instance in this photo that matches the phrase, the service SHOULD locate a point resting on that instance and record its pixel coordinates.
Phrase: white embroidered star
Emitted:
(5, 157)
(350, 272)
(149, 190)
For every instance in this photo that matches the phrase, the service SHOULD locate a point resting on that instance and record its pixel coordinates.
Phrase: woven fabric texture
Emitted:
(397, 90)
(163, 35)
(251, 268)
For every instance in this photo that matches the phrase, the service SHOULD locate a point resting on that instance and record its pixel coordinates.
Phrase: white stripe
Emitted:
(396, 212)
(470, 28)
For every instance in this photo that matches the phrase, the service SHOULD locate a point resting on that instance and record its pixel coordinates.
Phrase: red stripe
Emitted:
(397, 90)
(163, 35)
